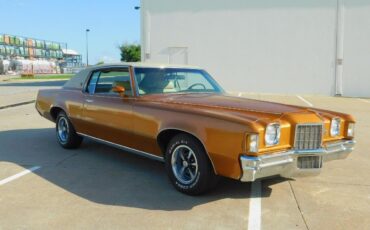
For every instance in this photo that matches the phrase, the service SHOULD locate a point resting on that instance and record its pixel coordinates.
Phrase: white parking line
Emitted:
(305, 101)
(16, 176)
(254, 220)
(364, 100)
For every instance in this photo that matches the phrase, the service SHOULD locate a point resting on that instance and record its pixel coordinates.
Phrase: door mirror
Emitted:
(119, 89)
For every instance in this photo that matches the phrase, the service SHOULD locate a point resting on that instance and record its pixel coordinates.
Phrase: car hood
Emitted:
(226, 104)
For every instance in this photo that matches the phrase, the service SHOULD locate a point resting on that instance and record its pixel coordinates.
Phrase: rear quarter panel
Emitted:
(70, 101)
(44, 102)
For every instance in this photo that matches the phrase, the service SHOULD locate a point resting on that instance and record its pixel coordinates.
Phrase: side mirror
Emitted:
(119, 89)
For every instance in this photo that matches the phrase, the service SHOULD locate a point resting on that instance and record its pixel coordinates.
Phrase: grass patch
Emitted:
(47, 77)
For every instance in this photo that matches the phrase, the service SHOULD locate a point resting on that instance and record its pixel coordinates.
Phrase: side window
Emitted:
(103, 82)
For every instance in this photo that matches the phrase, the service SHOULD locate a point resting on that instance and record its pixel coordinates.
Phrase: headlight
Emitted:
(351, 130)
(335, 127)
(272, 135)
(253, 143)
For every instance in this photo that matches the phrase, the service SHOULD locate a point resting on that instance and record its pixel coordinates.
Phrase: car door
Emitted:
(108, 115)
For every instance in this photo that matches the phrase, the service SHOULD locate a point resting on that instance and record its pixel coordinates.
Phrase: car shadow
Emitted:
(109, 176)
(49, 83)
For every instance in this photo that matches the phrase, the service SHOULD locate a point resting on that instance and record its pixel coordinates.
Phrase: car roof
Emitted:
(143, 65)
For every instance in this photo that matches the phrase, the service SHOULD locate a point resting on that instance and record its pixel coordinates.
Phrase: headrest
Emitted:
(125, 84)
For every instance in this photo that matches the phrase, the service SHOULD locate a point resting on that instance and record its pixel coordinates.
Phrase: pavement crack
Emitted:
(338, 183)
(298, 206)
(66, 158)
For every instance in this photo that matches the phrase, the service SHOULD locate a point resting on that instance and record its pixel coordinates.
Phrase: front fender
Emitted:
(224, 141)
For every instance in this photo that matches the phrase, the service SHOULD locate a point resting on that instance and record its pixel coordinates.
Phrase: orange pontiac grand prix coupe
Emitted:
(181, 115)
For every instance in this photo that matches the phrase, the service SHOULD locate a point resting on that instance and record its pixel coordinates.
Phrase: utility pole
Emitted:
(87, 47)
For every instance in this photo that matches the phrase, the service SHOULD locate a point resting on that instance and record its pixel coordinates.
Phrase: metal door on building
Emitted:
(178, 55)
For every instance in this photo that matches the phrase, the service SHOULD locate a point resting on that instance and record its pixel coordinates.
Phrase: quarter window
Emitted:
(92, 83)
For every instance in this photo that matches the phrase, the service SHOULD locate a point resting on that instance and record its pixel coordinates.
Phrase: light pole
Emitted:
(87, 47)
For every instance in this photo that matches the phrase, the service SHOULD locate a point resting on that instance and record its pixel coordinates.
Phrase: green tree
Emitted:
(130, 52)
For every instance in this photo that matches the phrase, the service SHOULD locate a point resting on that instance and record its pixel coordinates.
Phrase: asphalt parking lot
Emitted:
(99, 187)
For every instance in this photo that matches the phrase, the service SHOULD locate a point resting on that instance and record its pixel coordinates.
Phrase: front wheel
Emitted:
(66, 134)
(188, 166)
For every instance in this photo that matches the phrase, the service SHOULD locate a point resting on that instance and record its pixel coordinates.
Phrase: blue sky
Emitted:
(110, 22)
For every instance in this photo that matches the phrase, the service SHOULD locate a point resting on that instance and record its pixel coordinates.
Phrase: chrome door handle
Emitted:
(89, 100)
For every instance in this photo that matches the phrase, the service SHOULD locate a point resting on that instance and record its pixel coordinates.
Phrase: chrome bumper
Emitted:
(285, 163)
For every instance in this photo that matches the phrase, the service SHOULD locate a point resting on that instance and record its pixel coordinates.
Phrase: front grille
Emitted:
(308, 136)
(309, 162)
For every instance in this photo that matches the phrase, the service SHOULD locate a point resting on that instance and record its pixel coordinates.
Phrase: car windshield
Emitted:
(174, 80)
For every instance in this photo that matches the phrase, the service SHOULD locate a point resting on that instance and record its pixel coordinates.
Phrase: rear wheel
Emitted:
(66, 134)
(188, 166)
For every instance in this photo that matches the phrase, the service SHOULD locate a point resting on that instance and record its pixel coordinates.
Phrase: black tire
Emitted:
(71, 139)
(190, 147)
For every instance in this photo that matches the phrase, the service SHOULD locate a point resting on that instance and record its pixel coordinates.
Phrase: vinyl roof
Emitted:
(145, 65)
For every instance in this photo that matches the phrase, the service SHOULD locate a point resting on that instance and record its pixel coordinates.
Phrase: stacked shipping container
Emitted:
(29, 56)
(36, 56)
(11, 46)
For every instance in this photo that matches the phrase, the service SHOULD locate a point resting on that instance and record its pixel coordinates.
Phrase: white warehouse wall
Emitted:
(356, 48)
(270, 46)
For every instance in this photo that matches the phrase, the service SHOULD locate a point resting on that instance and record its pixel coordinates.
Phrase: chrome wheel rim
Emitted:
(184, 164)
(63, 131)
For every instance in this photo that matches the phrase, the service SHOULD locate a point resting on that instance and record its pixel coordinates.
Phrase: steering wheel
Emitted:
(197, 84)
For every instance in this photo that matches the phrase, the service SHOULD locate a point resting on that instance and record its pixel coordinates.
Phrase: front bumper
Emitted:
(285, 163)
